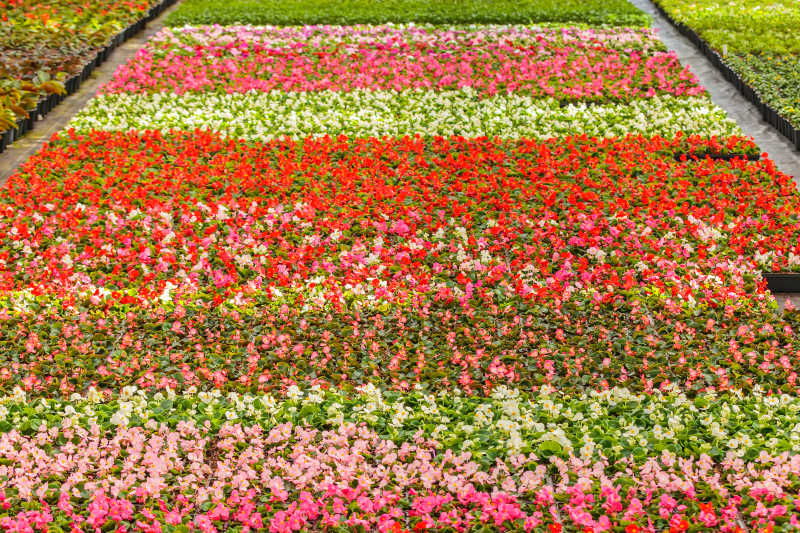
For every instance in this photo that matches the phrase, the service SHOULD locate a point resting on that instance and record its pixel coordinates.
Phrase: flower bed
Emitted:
(260, 83)
(569, 67)
(345, 249)
(215, 37)
(300, 12)
(400, 462)
(363, 113)
(399, 278)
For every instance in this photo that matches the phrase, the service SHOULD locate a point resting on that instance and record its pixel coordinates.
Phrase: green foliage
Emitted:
(759, 40)
(741, 26)
(298, 12)
(775, 79)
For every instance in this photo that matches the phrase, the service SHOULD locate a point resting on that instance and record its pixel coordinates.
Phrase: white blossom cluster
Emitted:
(361, 113)
(592, 425)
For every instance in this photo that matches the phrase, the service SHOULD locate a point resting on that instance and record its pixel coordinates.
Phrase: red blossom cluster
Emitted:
(189, 259)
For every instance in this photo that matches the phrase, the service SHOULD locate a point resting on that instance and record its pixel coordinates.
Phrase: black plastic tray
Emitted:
(716, 157)
(783, 281)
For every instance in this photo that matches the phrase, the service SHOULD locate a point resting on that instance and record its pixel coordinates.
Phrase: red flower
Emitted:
(683, 525)
(706, 507)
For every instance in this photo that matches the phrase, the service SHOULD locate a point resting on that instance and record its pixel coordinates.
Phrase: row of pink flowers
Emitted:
(289, 478)
(560, 68)
(187, 39)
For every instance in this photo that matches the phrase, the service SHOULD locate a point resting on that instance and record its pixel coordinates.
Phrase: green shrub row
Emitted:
(299, 12)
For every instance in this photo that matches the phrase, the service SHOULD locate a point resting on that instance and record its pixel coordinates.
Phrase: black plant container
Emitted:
(72, 84)
(22, 127)
(717, 157)
(5, 140)
(783, 281)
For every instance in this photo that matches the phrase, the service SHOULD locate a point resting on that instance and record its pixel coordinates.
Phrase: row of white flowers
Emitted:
(261, 116)
(609, 424)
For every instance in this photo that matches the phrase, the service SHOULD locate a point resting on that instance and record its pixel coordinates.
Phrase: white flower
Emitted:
(507, 425)
(587, 450)
(122, 416)
(483, 414)
(18, 395)
(128, 392)
(400, 415)
(205, 396)
(266, 115)
(514, 443)
(94, 395)
(717, 432)
(269, 403)
(294, 392)
(166, 296)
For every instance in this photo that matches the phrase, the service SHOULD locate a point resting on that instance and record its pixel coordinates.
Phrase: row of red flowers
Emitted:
(190, 259)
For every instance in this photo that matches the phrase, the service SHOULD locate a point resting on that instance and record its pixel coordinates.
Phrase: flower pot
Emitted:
(5, 140)
(783, 281)
(72, 84)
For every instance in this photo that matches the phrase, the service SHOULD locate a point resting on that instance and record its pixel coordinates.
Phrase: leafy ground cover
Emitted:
(43, 43)
(399, 277)
(303, 12)
(759, 41)
(775, 79)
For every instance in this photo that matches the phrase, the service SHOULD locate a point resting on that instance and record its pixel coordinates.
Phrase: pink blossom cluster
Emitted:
(567, 69)
(287, 478)
(186, 39)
